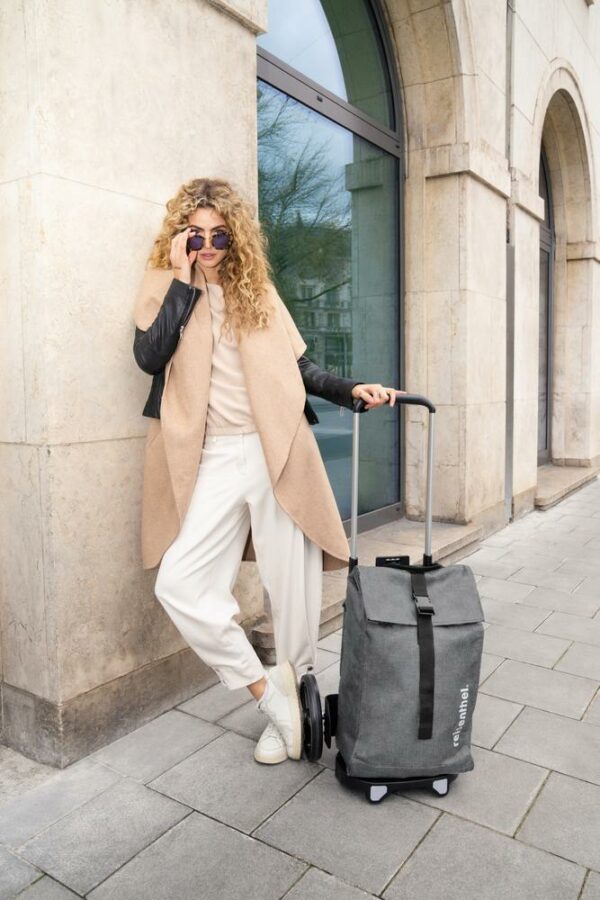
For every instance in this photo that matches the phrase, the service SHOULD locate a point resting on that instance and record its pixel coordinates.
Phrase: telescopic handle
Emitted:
(359, 407)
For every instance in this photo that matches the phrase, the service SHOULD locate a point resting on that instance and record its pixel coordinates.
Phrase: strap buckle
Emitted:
(424, 607)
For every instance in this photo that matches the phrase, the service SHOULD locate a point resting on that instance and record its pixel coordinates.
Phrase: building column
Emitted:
(113, 107)
(456, 331)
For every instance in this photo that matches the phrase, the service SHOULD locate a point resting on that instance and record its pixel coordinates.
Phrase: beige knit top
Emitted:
(229, 409)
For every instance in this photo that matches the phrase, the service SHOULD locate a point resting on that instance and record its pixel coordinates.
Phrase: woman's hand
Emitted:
(181, 263)
(376, 394)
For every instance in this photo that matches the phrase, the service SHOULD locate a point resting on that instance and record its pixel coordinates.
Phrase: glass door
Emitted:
(328, 203)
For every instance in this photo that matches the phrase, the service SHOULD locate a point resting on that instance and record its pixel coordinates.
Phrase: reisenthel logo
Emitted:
(462, 714)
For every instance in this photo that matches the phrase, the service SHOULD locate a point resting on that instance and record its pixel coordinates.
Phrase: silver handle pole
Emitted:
(429, 498)
(354, 499)
(417, 399)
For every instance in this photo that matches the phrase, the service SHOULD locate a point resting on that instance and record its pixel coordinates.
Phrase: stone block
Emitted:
(489, 866)
(203, 858)
(524, 646)
(554, 742)
(224, 781)
(558, 692)
(496, 793)
(94, 840)
(325, 825)
(565, 820)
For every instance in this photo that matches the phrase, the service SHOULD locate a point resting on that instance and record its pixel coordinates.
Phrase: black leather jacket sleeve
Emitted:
(154, 347)
(321, 383)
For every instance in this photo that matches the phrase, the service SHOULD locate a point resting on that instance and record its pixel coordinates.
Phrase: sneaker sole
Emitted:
(271, 760)
(291, 689)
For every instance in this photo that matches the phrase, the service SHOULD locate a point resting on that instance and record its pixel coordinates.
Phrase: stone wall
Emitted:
(111, 106)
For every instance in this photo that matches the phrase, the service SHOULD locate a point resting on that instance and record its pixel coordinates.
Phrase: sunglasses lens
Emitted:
(220, 240)
(196, 242)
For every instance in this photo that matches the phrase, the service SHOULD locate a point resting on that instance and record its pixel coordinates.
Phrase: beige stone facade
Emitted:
(110, 105)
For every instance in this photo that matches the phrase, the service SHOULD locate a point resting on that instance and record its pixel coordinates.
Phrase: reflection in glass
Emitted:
(328, 205)
(335, 43)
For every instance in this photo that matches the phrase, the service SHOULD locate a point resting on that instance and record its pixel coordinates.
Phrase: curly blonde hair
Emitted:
(245, 271)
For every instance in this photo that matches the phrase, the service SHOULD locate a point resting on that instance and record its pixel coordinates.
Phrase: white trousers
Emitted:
(198, 570)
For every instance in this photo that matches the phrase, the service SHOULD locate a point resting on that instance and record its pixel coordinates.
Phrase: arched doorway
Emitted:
(547, 257)
(564, 136)
(330, 174)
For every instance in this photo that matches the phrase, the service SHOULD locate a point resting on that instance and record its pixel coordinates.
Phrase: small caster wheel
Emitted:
(376, 793)
(310, 700)
(330, 718)
(440, 787)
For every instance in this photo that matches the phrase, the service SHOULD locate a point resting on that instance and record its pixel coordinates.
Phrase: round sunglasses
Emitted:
(219, 240)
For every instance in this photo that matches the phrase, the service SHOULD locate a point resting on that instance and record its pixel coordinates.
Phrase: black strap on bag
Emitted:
(425, 611)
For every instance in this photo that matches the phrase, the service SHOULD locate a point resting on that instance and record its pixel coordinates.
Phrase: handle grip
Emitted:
(413, 399)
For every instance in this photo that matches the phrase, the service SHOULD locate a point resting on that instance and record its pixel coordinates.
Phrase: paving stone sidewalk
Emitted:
(179, 808)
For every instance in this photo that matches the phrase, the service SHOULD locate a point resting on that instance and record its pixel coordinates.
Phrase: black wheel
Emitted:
(310, 700)
(330, 718)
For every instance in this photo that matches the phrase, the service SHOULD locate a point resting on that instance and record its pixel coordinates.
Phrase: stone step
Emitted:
(556, 482)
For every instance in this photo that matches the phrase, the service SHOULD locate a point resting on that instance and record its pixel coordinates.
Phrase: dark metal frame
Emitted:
(548, 243)
(296, 84)
(510, 279)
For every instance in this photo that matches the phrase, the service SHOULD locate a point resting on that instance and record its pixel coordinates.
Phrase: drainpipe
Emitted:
(510, 276)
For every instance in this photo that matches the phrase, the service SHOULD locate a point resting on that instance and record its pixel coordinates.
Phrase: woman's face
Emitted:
(207, 221)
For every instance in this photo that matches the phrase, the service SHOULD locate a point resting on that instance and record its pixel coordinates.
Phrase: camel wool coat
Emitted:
(174, 442)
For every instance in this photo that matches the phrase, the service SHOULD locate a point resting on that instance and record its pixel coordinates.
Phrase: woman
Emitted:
(232, 469)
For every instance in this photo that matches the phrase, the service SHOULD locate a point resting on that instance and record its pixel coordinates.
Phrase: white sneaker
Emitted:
(282, 705)
(271, 746)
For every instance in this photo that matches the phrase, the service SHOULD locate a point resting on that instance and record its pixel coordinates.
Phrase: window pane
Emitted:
(335, 43)
(543, 353)
(328, 204)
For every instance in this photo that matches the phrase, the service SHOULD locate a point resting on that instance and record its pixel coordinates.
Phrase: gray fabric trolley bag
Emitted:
(412, 640)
